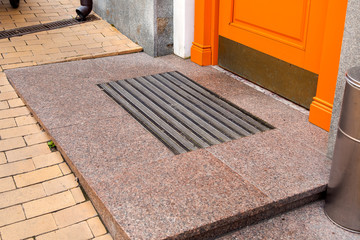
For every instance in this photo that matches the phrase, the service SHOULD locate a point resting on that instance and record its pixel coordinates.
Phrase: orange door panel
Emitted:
(289, 30)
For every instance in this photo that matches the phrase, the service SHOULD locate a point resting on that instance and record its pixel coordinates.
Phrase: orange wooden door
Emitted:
(288, 30)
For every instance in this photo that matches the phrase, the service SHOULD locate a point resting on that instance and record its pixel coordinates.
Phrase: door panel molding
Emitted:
(292, 32)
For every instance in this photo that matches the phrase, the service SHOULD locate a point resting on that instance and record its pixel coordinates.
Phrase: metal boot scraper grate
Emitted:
(44, 27)
(181, 113)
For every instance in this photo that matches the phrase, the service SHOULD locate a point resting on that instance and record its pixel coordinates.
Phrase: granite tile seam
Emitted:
(316, 190)
(269, 211)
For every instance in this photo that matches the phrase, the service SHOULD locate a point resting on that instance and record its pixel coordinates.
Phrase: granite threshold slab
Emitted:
(140, 188)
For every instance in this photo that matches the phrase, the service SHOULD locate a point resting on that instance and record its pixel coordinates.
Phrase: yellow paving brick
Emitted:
(36, 58)
(82, 42)
(92, 51)
(17, 54)
(19, 131)
(48, 160)
(12, 143)
(28, 228)
(78, 231)
(115, 48)
(6, 88)
(9, 169)
(94, 45)
(73, 48)
(48, 204)
(7, 96)
(21, 195)
(4, 105)
(11, 215)
(60, 184)
(27, 152)
(35, 42)
(50, 45)
(7, 123)
(24, 38)
(18, 65)
(4, 41)
(75, 214)
(8, 60)
(29, 47)
(45, 51)
(37, 176)
(50, 36)
(25, 120)
(64, 168)
(36, 138)
(32, 11)
(96, 226)
(7, 184)
(3, 159)
(78, 195)
(3, 79)
(104, 237)
(8, 49)
(19, 16)
(47, 14)
(13, 112)
(67, 39)
(17, 102)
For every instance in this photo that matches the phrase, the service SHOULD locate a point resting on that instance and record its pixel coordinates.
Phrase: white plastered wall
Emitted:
(183, 27)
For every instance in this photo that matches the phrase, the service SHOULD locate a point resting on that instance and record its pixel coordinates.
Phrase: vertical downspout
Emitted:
(84, 9)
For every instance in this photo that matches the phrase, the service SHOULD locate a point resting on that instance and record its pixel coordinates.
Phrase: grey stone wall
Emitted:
(350, 57)
(146, 22)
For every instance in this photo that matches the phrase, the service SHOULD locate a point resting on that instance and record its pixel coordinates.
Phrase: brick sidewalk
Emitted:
(83, 41)
(39, 195)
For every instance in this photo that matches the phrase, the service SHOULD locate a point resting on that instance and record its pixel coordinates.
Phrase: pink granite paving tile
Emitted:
(62, 102)
(277, 164)
(178, 197)
(77, 107)
(307, 133)
(108, 145)
(132, 65)
(75, 69)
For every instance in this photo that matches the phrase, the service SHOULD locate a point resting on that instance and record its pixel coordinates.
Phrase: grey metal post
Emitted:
(343, 194)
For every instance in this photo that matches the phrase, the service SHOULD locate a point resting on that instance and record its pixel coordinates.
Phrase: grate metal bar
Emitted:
(165, 116)
(206, 117)
(155, 118)
(203, 128)
(168, 141)
(184, 115)
(223, 123)
(186, 126)
(44, 27)
(252, 121)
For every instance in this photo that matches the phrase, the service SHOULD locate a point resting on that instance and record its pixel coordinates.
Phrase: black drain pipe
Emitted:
(84, 9)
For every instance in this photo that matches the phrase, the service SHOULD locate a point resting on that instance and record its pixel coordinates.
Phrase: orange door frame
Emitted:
(204, 51)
